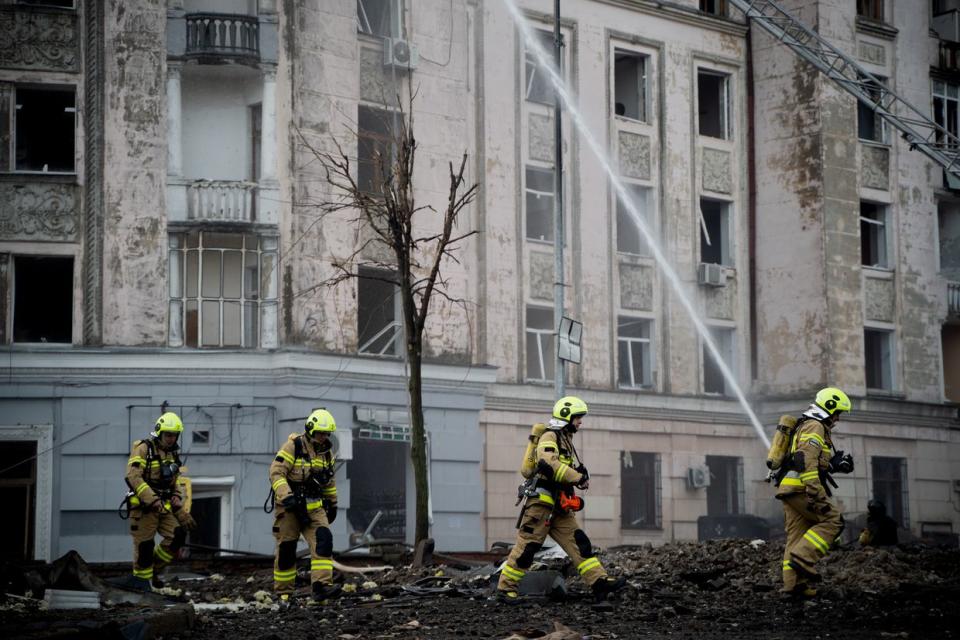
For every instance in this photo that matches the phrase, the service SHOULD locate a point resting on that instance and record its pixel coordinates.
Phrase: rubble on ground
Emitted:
(710, 589)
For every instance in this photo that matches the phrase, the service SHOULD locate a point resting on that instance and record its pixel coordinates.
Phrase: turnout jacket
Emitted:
(299, 460)
(555, 467)
(152, 473)
(811, 450)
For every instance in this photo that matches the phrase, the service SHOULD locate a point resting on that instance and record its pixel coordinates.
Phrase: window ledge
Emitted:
(876, 28)
(538, 241)
(875, 143)
(643, 388)
(642, 529)
(886, 393)
(880, 273)
(38, 176)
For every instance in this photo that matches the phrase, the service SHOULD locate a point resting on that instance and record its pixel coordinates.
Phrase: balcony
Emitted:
(224, 201)
(222, 35)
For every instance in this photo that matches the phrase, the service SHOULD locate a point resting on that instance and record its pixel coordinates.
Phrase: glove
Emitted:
(841, 463)
(176, 504)
(585, 479)
(157, 506)
(289, 502)
(185, 519)
(331, 513)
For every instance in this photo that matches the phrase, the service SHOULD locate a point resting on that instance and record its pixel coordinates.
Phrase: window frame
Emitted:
(382, 140)
(395, 322)
(646, 354)
(642, 84)
(902, 479)
(887, 373)
(721, 9)
(264, 300)
(14, 259)
(532, 67)
(940, 90)
(725, 103)
(879, 124)
(11, 152)
(394, 20)
(535, 167)
(726, 231)
(876, 232)
(654, 493)
(872, 10)
(632, 233)
(725, 338)
(546, 345)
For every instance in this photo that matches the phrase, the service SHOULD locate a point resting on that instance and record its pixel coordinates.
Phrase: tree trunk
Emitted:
(418, 440)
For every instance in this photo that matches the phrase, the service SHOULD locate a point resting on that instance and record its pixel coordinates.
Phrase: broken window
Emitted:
(873, 235)
(634, 353)
(725, 495)
(44, 128)
(629, 237)
(375, 148)
(18, 494)
(43, 299)
(223, 290)
(540, 344)
(539, 201)
(539, 88)
(945, 107)
(713, 104)
(378, 481)
(379, 330)
(870, 9)
(713, 379)
(380, 17)
(630, 85)
(640, 490)
(870, 126)
(890, 487)
(716, 7)
(878, 354)
(948, 227)
(715, 246)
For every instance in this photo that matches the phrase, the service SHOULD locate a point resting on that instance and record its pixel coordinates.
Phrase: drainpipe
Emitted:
(751, 208)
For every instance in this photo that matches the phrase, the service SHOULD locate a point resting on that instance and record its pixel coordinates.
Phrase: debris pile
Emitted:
(713, 589)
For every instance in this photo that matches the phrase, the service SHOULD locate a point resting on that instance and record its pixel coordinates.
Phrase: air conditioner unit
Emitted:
(698, 477)
(711, 275)
(400, 54)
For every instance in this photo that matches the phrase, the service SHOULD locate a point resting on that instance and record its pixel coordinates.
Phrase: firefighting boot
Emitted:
(509, 597)
(606, 585)
(323, 592)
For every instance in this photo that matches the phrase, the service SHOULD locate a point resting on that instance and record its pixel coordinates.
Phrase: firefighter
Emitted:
(811, 519)
(881, 529)
(155, 501)
(550, 507)
(306, 496)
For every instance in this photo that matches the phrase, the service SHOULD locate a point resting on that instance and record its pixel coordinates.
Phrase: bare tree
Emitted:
(385, 209)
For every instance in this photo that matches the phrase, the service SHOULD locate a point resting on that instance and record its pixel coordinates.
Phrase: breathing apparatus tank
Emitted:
(780, 446)
(529, 466)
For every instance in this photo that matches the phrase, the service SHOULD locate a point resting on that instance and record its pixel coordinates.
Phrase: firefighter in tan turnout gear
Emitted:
(551, 503)
(811, 519)
(306, 497)
(155, 501)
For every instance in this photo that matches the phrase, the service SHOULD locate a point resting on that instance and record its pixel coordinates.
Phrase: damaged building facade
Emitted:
(159, 189)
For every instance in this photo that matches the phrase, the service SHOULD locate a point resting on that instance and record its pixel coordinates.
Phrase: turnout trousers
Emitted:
(809, 537)
(287, 531)
(539, 521)
(150, 558)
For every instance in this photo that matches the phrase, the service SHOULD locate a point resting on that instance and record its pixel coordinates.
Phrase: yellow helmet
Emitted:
(832, 400)
(568, 408)
(320, 421)
(169, 423)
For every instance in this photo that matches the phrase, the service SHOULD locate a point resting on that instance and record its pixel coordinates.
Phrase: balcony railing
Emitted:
(222, 34)
(226, 200)
(949, 55)
(953, 298)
